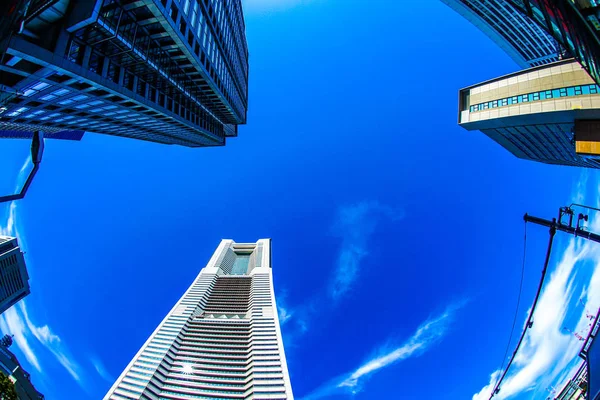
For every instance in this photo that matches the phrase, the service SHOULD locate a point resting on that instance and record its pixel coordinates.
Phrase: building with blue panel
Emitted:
(575, 24)
(544, 114)
(549, 112)
(524, 41)
(167, 71)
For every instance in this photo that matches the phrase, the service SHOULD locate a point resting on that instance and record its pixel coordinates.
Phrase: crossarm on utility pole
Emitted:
(563, 228)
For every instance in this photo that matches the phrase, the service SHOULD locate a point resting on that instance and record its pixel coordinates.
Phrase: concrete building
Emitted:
(546, 114)
(221, 340)
(14, 280)
(10, 366)
(524, 41)
(167, 71)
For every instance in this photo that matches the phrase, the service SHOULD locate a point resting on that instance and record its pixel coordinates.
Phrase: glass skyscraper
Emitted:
(524, 41)
(14, 280)
(167, 71)
(221, 340)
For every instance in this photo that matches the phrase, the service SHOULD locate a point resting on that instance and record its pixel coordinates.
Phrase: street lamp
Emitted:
(37, 149)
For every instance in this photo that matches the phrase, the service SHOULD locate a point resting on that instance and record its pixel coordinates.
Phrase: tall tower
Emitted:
(166, 71)
(221, 340)
(14, 280)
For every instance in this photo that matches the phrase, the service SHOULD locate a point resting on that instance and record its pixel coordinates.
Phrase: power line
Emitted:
(529, 323)
(512, 330)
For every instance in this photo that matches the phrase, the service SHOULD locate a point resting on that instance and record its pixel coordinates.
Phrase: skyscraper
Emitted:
(524, 41)
(14, 280)
(574, 24)
(167, 71)
(545, 113)
(221, 340)
(548, 114)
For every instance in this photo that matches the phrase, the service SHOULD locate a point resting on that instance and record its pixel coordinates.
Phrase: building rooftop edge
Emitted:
(521, 72)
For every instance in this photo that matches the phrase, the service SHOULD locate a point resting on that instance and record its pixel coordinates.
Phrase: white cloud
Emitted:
(427, 334)
(52, 342)
(11, 228)
(12, 324)
(484, 394)
(355, 225)
(16, 320)
(284, 315)
(548, 350)
(99, 366)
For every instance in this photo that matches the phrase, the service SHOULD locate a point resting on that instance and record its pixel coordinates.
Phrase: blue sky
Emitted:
(397, 236)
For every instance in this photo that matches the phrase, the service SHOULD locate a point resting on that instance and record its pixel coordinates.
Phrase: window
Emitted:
(75, 52)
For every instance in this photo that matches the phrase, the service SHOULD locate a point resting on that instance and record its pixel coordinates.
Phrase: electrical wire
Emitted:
(512, 330)
(529, 322)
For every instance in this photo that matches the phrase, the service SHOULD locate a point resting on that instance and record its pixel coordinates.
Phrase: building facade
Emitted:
(544, 114)
(524, 41)
(576, 388)
(221, 340)
(575, 24)
(14, 280)
(10, 366)
(167, 71)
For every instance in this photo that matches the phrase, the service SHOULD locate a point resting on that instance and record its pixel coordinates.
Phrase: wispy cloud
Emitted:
(16, 320)
(12, 323)
(283, 312)
(427, 334)
(53, 343)
(548, 350)
(99, 366)
(27, 335)
(355, 225)
(10, 228)
(284, 315)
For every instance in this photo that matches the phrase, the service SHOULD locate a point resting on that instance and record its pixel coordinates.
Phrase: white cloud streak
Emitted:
(11, 323)
(355, 225)
(548, 350)
(53, 343)
(284, 315)
(427, 334)
(11, 228)
(16, 320)
(99, 366)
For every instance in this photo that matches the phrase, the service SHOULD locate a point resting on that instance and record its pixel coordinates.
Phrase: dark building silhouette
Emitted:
(167, 71)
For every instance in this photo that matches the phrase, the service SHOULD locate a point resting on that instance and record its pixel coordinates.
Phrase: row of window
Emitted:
(177, 104)
(537, 96)
(219, 73)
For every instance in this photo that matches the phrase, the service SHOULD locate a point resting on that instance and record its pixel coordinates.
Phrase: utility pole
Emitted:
(567, 227)
(564, 223)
